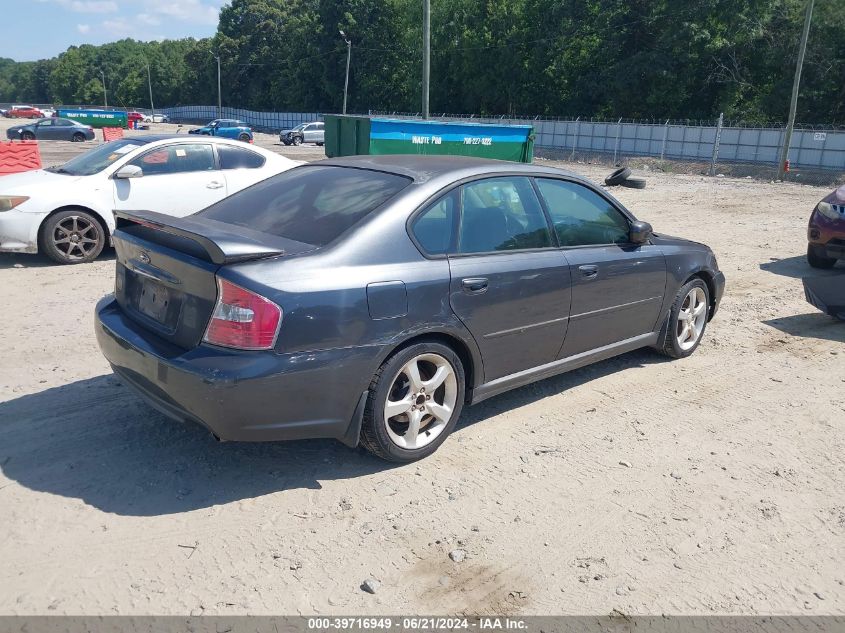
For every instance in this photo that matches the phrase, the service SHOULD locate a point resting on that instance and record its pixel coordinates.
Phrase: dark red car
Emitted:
(24, 112)
(134, 116)
(826, 231)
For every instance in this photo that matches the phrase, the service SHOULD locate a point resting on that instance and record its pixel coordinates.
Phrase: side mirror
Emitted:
(640, 232)
(129, 171)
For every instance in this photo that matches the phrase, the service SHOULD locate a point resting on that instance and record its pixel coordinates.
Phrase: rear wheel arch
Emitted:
(472, 368)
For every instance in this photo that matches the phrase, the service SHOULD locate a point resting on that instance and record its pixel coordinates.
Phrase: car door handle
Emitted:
(474, 285)
(214, 185)
(589, 271)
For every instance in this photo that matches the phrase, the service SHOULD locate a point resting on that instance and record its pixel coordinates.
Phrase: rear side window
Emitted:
(310, 204)
(435, 226)
(237, 158)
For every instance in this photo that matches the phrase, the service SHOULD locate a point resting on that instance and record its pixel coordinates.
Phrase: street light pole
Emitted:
(219, 93)
(426, 73)
(105, 98)
(150, 84)
(793, 104)
(348, 58)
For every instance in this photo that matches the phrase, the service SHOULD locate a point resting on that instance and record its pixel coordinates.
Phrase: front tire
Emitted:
(297, 140)
(415, 401)
(72, 237)
(27, 136)
(818, 261)
(684, 327)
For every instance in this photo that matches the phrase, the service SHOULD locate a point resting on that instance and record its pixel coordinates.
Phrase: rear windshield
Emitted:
(310, 204)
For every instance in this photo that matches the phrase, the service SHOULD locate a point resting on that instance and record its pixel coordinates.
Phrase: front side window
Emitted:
(434, 227)
(176, 159)
(580, 216)
(237, 158)
(310, 204)
(501, 214)
(98, 159)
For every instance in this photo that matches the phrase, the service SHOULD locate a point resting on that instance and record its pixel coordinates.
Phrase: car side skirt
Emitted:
(519, 379)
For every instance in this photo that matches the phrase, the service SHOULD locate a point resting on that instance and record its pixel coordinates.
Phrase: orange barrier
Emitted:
(112, 133)
(18, 156)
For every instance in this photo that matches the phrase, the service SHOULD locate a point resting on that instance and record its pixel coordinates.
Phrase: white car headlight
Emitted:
(10, 202)
(827, 210)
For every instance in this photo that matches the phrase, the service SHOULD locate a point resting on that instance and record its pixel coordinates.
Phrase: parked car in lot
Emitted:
(156, 118)
(370, 297)
(826, 231)
(305, 133)
(24, 112)
(227, 128)
(66, 212)
(53, 129)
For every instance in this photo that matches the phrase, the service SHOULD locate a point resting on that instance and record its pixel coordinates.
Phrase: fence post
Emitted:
(716, 144)
(616, 146)
(665, 134)
(577, 131)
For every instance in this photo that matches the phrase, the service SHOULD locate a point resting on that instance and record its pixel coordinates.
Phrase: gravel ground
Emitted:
(708, 485)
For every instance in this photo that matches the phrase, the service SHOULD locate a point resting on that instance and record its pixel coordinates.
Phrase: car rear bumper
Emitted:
(239, 395)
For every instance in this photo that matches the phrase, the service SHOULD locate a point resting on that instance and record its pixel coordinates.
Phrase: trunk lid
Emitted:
(166, 268)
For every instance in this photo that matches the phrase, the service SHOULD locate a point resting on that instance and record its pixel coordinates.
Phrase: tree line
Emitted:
(656, 59)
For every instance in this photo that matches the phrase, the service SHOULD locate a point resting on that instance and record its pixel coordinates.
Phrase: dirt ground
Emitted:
(708, 485)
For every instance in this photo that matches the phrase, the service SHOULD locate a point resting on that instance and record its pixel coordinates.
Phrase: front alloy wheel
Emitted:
(72, 237)
(415, 400)
(684, 326)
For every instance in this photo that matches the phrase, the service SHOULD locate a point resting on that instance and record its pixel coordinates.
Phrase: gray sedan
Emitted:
(52, 129)
(370, 298)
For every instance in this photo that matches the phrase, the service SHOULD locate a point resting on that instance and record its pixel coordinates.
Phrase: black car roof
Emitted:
(425, 167)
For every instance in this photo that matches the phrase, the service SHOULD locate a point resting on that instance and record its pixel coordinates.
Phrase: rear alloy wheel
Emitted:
(27, 136)
(72, 237)
(244, 138)
(415, 401)
(78, 137)
(687, 320)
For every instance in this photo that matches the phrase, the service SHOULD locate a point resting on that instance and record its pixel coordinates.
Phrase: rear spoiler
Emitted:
(224, 243)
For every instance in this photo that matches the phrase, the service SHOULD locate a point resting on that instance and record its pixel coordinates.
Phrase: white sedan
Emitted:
(66, 212)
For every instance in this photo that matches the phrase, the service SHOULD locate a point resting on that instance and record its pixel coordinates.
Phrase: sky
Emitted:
(62, 23)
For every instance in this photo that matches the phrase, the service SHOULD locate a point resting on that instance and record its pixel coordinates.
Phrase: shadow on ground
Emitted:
(20, 260)
(96, 441)
(813, 325)
(797, 267)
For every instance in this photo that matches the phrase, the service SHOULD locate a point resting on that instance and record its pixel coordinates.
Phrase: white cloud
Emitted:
(89, 6)
(188, 10)
(147, 19)
(117, 26)
(83, 28)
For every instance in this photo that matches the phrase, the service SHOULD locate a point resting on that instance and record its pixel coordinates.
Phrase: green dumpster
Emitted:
(352, 135)
(96, 118)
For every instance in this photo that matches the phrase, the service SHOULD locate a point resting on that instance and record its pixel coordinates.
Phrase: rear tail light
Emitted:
(242, 319)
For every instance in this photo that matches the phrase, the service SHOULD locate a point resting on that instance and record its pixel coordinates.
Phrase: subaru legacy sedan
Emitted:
(369, 298)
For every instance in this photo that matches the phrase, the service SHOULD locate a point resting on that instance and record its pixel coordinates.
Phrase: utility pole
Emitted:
(105, 98)
(219, 93)
(348, 57)
(150, 84)
(793, 104)
(426, 74)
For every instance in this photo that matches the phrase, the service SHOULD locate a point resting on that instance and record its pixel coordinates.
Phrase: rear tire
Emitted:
(684, 326)
(818, 261)
(78, 137)
(410, 412)
(244, 138)
(72, 237)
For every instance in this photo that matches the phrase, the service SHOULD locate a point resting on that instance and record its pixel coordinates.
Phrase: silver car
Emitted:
(305, 133)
